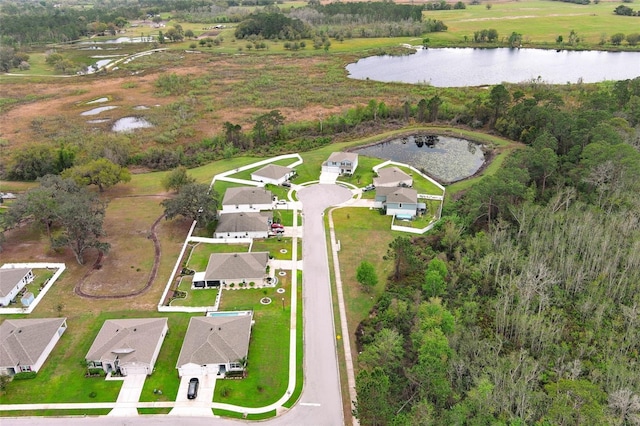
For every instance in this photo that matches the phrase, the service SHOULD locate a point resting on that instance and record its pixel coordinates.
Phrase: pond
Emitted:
(148, 39)
(444, 158)
(128, 124)
(451, 67)
(96, 111)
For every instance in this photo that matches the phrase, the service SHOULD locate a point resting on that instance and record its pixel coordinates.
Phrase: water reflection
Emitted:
(96, 111)
(448, 159)
(128, 124)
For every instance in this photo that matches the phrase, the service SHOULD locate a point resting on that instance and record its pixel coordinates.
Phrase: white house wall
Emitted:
(394, 210)
(253, 234)
(245, 208)
(197, 370)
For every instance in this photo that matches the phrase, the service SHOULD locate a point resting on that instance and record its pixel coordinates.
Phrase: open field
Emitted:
(539, 21)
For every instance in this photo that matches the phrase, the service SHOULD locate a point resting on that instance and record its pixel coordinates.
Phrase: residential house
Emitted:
(243, 225)
(12, 280)
(392, 177)
(128, 346)
(273, 173)
(25, 344)
(398, 201)
(215, 344)
(232, 268)
(342, 163)
(246, 199)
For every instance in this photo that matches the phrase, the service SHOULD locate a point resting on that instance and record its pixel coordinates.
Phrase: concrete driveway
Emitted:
(129, 395)
(199, 407)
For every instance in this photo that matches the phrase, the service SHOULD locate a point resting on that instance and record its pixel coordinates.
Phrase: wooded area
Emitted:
(530, 313)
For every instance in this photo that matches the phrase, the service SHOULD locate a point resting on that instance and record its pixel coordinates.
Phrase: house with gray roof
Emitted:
(400, 202)
(273, 173)
(25, 344)
(228, 268)
(392, 177)
(243, 225)
(215, 344)
(128, 346)
(343, 163)
(246, 199)
(12, 280)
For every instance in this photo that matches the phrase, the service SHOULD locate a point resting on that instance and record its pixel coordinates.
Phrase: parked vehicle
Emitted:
(277, 226)
(286, 184)
(368, 188)
(192, 393)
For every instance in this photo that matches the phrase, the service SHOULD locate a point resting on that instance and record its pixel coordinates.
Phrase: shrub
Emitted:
(25, 375)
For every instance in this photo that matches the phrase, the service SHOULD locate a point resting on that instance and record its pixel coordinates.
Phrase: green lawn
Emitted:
(61, 379)
(195, 297)
(299, 350)
(165, 375)
(273, 245)
(268, 365)
(35, 286)
(202, 251)
(284, 217)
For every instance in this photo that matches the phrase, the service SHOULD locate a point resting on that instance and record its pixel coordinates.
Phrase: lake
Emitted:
(451, 67)
(444, 158)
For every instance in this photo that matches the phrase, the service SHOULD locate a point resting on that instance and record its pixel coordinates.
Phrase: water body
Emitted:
(128, 124)
(118, 40)
(96, 111)
(445, 158)
(98, 101)
(450, 67)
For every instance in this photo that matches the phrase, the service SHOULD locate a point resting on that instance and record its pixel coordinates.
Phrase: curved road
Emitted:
(321, 402)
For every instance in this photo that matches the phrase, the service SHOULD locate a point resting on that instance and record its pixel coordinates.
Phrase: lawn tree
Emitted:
(499, 99)
(194, 201)
(176, 179)
(101, 172)
(81, 216)
(366, 276)
(434, 107)
(422, 111)
(372, 406)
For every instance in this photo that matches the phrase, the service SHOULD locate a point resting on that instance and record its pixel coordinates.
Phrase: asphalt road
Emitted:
(320, 403)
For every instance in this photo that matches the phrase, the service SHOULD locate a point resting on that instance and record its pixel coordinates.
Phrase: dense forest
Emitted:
(522, 307)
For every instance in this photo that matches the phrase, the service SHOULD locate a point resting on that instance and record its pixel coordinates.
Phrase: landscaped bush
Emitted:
(25, 375)
(95, 371)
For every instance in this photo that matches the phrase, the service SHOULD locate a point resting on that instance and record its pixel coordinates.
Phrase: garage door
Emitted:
(134, 370)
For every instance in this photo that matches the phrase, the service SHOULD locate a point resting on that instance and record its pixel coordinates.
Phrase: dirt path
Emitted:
(152, 276)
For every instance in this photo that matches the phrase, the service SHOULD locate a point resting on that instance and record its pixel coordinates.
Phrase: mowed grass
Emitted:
(62, 377)
(273, 246)
(364, 235)
(165, 375)
(195, 297)
(268, 360)
(202, 251)
(538, 21)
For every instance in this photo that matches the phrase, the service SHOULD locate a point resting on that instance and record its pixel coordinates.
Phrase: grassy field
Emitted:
(539, 21)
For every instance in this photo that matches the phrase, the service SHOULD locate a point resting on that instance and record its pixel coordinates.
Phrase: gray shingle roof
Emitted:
(9, 277)
(22, 341)
(215, 340)
(403, 195)
(133, 340)
(246, 195)
(273, 171)
(243, 222)
(236, 265)
(391, 176)
(339, 157)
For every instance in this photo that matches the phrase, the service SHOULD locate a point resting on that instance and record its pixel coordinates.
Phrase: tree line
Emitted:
(521, 307)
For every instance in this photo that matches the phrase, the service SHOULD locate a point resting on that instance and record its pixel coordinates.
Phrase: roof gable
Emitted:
(236, 265)
(403, 195)
(131, 340)
(389, 175)
(339, 157)
(246, 195)
(243, 222)
(22, 341)
(273, 171)
(215, 340)
(9, 277)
